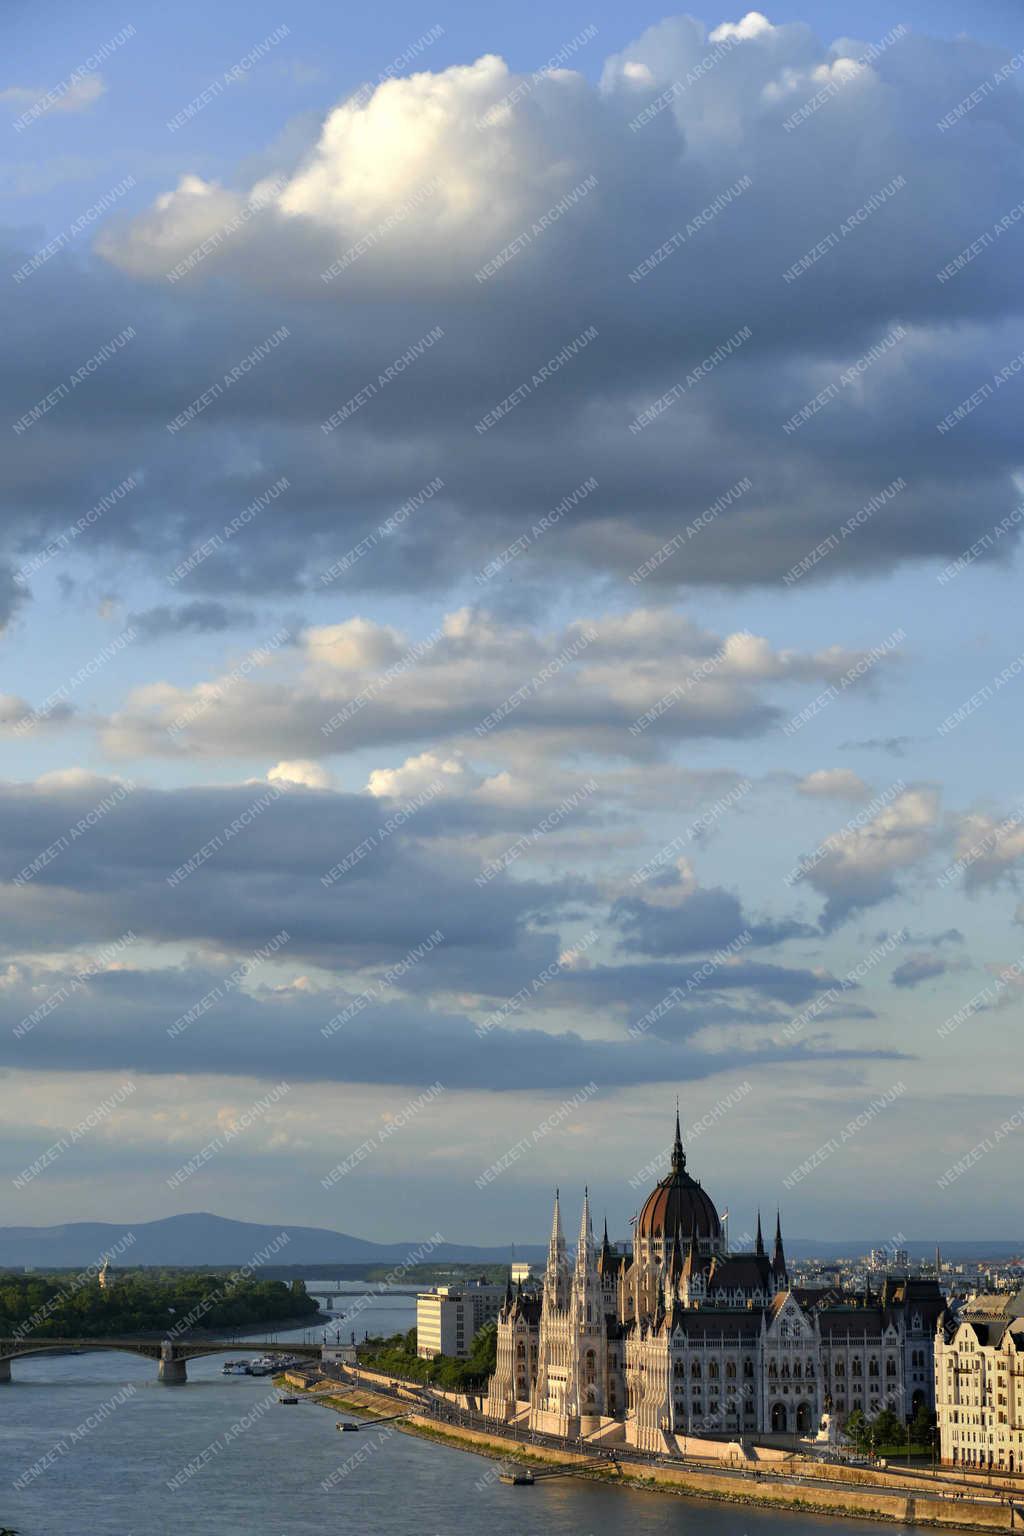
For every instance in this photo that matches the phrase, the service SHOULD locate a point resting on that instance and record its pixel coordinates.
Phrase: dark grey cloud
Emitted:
(691, 921)
(119, 1020)
(202, 616)
(895, 746)
(917, 968)
(115, 872)
(12, 595)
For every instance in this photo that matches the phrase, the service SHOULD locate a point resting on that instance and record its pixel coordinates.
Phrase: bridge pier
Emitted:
(172, 1372)
(5, 1371)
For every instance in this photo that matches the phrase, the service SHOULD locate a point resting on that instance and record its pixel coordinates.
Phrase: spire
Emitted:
(778, 1257)
(675, 1268)
(585, 1246)
(678, 1155)
(759, 1245)
(556, 1275)
(557, 1240)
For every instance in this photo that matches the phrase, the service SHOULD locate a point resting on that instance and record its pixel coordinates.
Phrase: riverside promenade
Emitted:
(900, 1495)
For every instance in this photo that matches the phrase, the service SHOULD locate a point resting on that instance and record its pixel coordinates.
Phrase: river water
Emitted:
(99, 1448)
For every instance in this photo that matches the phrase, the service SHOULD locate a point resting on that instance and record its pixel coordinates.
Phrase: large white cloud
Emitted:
(623, 684)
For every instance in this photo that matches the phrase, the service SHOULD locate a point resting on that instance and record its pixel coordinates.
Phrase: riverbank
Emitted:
(902, 1505)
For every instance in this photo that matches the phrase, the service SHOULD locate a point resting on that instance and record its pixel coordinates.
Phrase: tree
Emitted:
(857, 1430)
(922, 1426)
(888, 1428)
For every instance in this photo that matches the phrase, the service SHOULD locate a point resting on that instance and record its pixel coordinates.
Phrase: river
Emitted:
(100, 1448)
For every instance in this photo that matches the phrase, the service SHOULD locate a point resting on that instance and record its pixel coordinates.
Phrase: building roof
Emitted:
(695, 1323)
(740, 1272)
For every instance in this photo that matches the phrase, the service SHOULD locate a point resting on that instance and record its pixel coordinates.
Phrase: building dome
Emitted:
(678, 1204)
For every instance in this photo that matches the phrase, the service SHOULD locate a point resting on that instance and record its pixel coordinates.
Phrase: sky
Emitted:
(508, 586)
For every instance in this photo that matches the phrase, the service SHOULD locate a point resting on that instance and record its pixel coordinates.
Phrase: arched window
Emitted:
(890, 1367)
(713, 1370)
(785, 1368)
(840, 1367)
(773, 1369)
(873, 1366)
(809, 1370)
(748, 1368)
(695, 1370)
(858, 1369)
(730, 1370)
(796, 1369)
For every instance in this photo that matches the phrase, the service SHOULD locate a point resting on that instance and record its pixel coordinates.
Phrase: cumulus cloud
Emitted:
(426, 771)
(303, 772)
(414, 216)
(833, 784)
(475, 678)
(987, 848)
(860, 867)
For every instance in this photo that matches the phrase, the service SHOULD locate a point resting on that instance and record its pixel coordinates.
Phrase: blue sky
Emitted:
(857, 856)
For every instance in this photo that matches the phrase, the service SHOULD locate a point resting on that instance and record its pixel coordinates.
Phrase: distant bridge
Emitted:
(358, 1296)
(171, 1357)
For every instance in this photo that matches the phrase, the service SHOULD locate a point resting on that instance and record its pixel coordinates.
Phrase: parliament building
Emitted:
(682, 1338)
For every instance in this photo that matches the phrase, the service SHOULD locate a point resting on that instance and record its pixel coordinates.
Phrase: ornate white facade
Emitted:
(682, 1338)
(979, 1381)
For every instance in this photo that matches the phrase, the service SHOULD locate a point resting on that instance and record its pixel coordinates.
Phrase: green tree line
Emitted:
(396, 1356)
(49, 1307)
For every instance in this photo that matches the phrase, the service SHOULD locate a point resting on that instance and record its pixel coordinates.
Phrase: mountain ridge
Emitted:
(204, 1238)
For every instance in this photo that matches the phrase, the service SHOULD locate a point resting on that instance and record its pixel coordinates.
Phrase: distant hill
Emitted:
(201, 1238)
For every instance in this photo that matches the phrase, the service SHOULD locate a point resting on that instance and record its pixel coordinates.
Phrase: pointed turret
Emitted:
(675, 1264)
(606, 1264)
(585, 1255)
(556, 1274)
(778, 1257)
(759, 1244)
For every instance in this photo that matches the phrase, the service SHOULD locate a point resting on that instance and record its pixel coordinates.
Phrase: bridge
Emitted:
(171, 1356)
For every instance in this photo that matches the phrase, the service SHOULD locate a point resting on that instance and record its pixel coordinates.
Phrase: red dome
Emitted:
(678, 1204)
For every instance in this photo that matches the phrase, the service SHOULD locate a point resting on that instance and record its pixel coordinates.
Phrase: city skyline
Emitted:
(507, 592)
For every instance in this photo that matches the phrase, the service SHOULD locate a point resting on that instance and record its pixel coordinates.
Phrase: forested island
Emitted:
(53, 1306)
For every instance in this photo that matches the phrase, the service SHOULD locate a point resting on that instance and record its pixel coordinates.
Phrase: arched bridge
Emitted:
(171, 1355)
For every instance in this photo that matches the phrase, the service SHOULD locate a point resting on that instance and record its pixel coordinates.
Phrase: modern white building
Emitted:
(448, 1316)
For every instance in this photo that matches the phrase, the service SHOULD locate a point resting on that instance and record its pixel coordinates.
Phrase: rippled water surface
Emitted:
(113, 1479)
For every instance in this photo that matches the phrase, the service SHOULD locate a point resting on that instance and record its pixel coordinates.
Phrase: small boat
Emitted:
(344, 1424)
(235, 1368)
(517, 1478)
(288, 1401)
